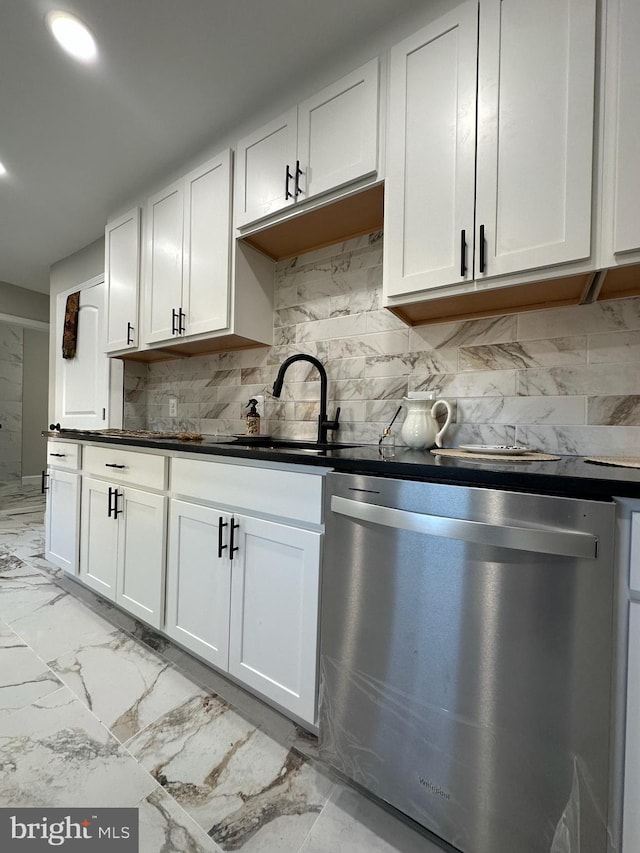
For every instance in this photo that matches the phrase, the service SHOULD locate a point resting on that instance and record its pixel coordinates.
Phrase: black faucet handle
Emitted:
(334, 423)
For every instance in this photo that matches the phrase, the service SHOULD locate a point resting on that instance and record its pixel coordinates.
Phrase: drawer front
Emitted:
(287, 494)
(62, 454)
(126, 466)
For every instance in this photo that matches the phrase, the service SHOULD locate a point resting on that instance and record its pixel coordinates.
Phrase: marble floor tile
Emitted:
(123, 683)
(57, 624)
(24, 592)
(354, 824)
(165, 827)
(24, 677)
(233, 779)
(56, 753)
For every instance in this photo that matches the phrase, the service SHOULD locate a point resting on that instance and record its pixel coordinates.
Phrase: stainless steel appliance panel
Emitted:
(466, 659)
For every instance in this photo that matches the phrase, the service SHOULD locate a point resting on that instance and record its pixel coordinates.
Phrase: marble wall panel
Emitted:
(565, 380)
(11, 361)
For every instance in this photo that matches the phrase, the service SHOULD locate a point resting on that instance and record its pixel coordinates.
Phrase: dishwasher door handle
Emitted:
(546, 540)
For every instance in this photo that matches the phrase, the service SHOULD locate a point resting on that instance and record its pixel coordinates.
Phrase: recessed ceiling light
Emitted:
(3, 171)
(72, 35)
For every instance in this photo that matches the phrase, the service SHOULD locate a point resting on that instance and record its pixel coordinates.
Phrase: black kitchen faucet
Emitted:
(323, 423)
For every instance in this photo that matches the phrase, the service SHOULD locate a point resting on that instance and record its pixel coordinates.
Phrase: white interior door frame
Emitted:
(110, 376)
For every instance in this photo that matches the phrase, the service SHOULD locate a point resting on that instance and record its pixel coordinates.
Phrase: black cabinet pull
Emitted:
(181, 324)
(287, 177)
(298, 173)
(221, 525)
(113, 465)
(463, 253)
(129, 333)
(482, 258)
(233, 547)
(44, 488)
(175, 329)
(61, 455)
(112, 503)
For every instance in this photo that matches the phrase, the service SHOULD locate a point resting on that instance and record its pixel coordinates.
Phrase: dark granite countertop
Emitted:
(569, 475)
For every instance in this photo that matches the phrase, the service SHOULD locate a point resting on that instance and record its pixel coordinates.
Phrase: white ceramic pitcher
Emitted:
(420, 428)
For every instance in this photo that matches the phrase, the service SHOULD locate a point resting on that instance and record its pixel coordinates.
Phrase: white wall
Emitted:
(35, 363)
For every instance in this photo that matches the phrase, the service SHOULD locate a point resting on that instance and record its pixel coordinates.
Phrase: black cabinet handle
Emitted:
(233, 547)
(113, 465)
(175, 330)
(221, 525)
(298, 173)
(181, 324)
(129, 333)
(482, 258)
(463, 253)
(287, 177)
(112, 503)
(44, 488)
(61, 455)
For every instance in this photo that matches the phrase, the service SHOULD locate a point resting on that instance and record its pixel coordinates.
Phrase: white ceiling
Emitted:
(173, 75)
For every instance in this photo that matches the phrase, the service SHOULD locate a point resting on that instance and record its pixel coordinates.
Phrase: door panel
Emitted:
(98, 539)
(535, 131)
(198, 582)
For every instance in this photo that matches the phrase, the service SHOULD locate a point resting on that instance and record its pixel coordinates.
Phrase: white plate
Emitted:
(496, 449)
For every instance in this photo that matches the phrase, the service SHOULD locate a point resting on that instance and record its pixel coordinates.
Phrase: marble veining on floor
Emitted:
(97, 710)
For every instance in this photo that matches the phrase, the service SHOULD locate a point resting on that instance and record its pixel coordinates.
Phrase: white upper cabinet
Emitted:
(187, 245)
(527, 122)
(621, 163)
(122, 281)
(325, 142)
(431, 149)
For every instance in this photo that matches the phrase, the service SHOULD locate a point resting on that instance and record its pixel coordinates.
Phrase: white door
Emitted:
(163, 248)
(83, 382)
(122, 277)
(63, 517)
(535, 129)
(273, 641)
(98, 537)
(430, 171)
(199, 580)
(338, 133)
(141, 549)
(207, 245)
(265, 169)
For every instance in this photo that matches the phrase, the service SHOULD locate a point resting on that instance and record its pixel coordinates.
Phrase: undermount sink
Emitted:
(265, 442)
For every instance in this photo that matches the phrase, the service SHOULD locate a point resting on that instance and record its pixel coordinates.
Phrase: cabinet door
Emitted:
(631, 820)
(274, 612)
(535, 132)
(207, 213)
(98, 539)
(263, 161)
(338, 133)
(141, 549)
(163, 268)
(199, 581)
(63, 518)
(621, 189)
(429, 183)
(122, 278)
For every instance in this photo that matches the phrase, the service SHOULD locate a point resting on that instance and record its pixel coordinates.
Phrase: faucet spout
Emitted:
(324, 424)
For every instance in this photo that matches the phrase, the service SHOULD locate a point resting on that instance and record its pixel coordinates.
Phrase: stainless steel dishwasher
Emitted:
(466, 659)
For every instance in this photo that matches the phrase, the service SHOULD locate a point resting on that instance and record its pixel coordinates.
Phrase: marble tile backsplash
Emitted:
(11, 361)
(563, 380)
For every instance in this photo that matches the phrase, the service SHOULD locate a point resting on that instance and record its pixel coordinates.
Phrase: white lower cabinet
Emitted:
(198, 581)
(122, 540)
(274, 612)
(631, 825)
(243, 591)
(62, 520)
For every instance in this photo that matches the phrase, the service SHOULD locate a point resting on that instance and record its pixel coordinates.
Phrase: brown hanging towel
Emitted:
(70, 331)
